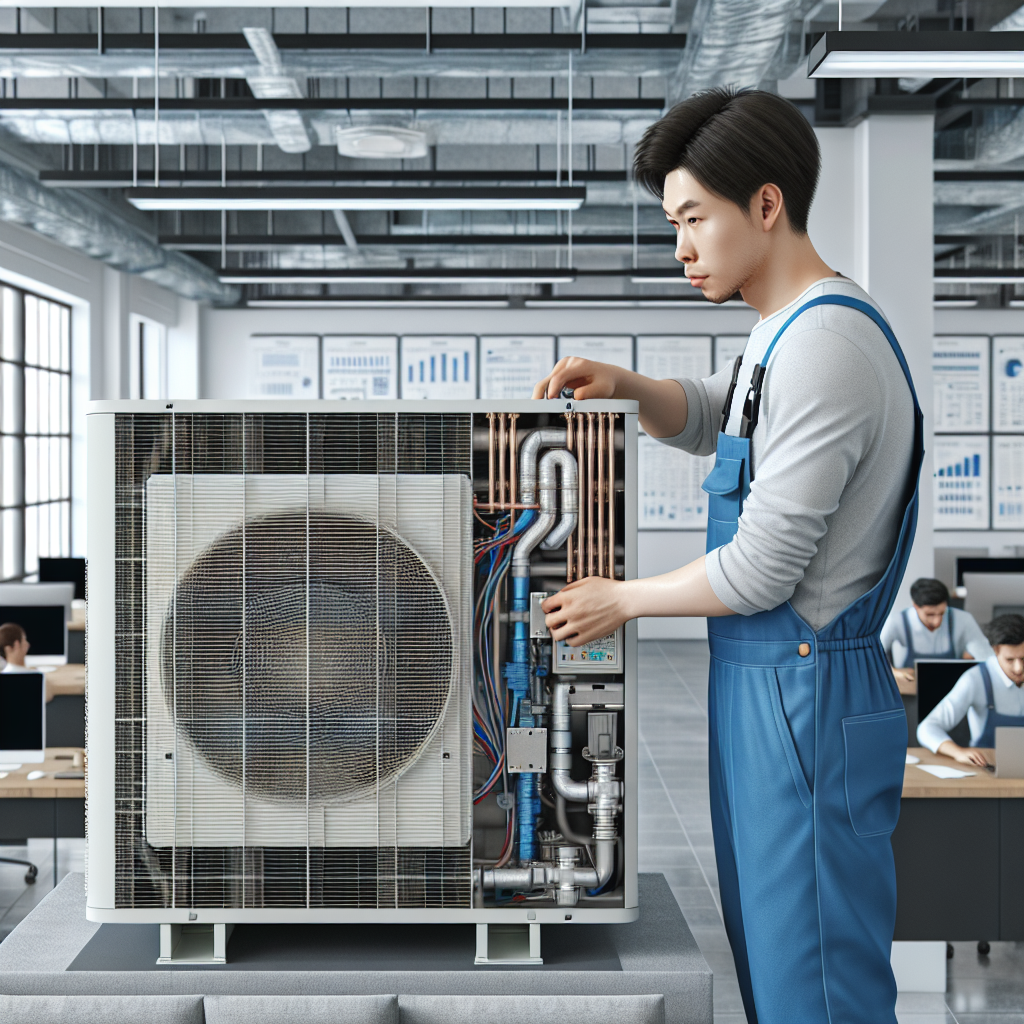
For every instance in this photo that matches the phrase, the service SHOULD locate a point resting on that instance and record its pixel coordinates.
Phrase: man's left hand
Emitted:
(585, 610)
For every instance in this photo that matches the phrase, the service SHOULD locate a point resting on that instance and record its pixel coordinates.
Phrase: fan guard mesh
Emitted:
(379, 658)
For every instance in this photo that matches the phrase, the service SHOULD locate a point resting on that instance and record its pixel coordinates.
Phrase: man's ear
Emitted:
(770, 205)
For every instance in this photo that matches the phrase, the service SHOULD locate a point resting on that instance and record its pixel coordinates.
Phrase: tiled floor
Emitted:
(675, 838)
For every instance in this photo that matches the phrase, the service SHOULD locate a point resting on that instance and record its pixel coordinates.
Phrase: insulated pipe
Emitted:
(560, 739)
(545, 437)
(562, 460)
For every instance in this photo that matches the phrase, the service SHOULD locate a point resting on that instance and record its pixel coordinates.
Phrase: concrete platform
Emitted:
(55, 950)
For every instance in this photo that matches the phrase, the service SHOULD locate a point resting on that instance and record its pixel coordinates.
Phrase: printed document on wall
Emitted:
(360, 367)
(669, 484)
(960, 380)
(1008, 384)
(510, 366)
(664, 356)
(1007, 483)
(603, 348)
(961, 483)
(435, 366)
(727, 348)
(284, 366)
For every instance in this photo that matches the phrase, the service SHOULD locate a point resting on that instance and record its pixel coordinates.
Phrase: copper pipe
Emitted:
(490, 459)
(611, 495)
(591, 445)
(570, 443)
(518, 506)
(581, 438)
(512, 449)
(502, 453)
(600, 495)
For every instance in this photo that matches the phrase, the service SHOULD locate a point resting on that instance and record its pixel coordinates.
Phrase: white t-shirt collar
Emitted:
(997, 671)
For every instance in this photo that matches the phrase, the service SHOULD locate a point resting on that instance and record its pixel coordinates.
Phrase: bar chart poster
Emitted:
(284, 366)
(360, 367)
(961, 481)
(602, 348)
(1008, 384)
(435, 366)
(960, 381)
(1007, 483)
(669, 487)
(510, 366)
(667, 356)
(727, 348)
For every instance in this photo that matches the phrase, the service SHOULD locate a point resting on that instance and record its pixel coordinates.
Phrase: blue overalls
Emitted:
(911, 655)
(993, 719)
(807, 750)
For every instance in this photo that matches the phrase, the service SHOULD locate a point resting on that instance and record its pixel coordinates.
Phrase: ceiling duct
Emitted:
(272, 83)
(381, 142)
(85, 225)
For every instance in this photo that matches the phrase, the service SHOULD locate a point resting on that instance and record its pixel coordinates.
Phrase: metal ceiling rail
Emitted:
(112, 42)
(267, 243)
(1010, 175)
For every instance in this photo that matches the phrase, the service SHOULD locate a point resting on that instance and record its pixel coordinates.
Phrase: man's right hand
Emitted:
(964, 755)
(587, 379)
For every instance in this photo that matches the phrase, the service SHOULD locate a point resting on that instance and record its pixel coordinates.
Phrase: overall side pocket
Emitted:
(786, 738)
(876, 749)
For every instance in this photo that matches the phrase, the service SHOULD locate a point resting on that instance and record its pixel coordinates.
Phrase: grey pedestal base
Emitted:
(55, 950)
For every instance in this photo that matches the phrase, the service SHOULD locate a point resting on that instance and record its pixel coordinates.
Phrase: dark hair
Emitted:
(926, 592)
(1005, 629)
(733, 142)
(10, 634)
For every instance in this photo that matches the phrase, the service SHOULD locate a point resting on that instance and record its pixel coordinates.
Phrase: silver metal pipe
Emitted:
(560, 742)
(565, 462)
(545, 437)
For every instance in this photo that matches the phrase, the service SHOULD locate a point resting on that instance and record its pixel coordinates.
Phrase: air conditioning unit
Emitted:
(294, 640)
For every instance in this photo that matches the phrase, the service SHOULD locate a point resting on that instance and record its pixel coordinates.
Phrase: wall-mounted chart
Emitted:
(727, 348)
(435, 366)
(360, 367)
(961, 482)
(670, 497)
(664, 356)
(284, 366)
(603, 348)
(1007, 483)
(1008, 384)
(960, 381)
(510, 366)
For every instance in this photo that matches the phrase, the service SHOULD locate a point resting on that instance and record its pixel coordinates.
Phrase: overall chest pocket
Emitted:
(724, 487)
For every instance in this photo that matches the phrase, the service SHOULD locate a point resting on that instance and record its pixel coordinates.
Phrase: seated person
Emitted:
(14, 644)
(989, 694)
(931, 629)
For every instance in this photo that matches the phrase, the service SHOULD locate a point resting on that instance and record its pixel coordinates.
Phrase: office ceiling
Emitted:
(483, 98)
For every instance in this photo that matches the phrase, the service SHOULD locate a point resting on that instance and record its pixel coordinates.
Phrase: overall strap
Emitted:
(911, 653)
(727, 408)
(949, 623)
(986, 679)
(752, 405)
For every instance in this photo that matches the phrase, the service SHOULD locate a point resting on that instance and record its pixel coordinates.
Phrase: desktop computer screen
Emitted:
(64, 570)
(43, 624)
(22, 717)
(986, 565)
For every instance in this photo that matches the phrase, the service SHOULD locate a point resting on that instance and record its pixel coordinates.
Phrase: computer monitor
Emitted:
(22, 719)
(935, 678)
(64, 570)
(43, 611)
(992, 594)
(986, 565)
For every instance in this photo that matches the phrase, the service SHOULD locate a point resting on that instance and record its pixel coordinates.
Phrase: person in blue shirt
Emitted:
(990, 695)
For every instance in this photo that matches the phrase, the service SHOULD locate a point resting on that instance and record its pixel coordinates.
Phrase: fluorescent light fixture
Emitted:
(668, 278)
(370, 198)
(425, 275)
(969, 277)
(420, 303)
(570, 302)
(1017, 303)
(917, 55)
(955, 303)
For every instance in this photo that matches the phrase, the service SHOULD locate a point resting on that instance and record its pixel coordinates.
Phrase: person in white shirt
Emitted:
(989, 694)
(14, 644)
(931, 629)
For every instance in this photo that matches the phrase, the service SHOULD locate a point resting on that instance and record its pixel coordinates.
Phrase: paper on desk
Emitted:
(940, 771)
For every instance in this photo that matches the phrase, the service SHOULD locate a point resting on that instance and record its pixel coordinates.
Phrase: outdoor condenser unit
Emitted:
(319, 684)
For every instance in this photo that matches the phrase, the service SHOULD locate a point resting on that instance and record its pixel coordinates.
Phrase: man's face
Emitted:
(1011, 660)
(931, 614)
(720, 245)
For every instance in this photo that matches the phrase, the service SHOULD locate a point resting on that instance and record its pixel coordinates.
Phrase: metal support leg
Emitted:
(55, 842)
(194, 943)
(508, 944)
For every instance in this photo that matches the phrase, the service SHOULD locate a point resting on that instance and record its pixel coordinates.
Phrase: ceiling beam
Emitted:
(266, 243)
(123, 178)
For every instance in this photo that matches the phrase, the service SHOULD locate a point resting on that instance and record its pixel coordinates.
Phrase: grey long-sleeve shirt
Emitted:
(832, 453)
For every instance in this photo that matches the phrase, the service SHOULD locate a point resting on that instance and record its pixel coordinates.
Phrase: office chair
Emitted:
(30, 875)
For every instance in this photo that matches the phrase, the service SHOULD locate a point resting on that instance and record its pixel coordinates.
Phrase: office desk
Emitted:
(908, 691)
(959, 850)
(76, 642)
(65, 707)
(44, 807)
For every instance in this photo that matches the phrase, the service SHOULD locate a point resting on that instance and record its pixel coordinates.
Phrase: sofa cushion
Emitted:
(101, 1009)
(301, 1010)
(514, 1009)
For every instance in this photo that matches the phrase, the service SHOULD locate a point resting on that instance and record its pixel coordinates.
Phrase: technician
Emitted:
(14, 644)
(929, 628)
(813, 506)
(989, 694)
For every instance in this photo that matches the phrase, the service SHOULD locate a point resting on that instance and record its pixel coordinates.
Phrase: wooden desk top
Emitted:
(76, 626)
(907, 689)
(65, 680)
(983, 784)
(58, 759)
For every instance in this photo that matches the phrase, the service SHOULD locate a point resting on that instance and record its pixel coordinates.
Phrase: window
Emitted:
(35, 431)
(149, 358)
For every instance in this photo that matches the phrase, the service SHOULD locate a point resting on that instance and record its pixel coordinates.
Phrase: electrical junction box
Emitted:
(538, 631)
(527, 750)
(604, 655)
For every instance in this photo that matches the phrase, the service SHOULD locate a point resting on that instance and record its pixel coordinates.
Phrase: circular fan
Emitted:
(374, 676)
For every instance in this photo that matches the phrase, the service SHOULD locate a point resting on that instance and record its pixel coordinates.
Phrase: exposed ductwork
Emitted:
(83, 224)
(272, 83)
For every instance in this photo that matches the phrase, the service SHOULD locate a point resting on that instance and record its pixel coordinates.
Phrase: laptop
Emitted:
(1009, 752)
